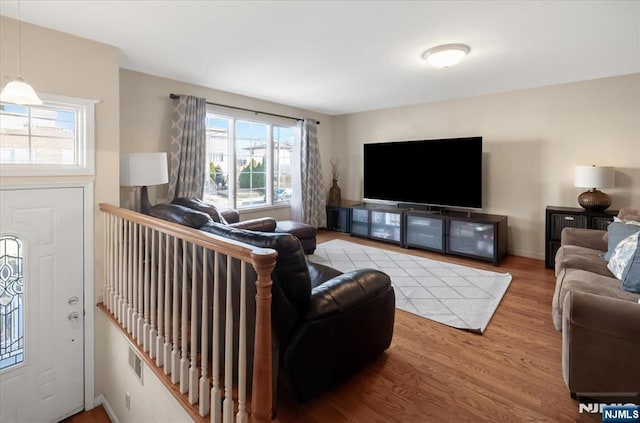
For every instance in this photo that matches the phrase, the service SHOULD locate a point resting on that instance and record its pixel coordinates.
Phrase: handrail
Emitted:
(131, 285)
(226, 246)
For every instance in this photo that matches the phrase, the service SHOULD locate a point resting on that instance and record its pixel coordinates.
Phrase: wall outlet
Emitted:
(127, 401)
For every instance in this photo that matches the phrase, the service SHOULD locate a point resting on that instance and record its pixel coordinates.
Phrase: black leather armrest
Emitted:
(230, 215)
(261, 224)
(345, 291)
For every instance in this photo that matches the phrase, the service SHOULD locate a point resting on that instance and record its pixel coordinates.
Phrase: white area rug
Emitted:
(455, 295)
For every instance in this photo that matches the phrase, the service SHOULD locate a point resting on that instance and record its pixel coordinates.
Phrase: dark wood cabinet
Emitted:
(339, 219)
(377, 222)
(558, 218)
(474, 235)
(477, 235)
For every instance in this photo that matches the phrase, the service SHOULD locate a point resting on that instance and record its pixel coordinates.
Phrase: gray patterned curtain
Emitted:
(188, 147)
(312, 181)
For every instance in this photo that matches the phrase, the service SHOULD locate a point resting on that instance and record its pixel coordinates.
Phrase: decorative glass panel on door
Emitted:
(11, 302)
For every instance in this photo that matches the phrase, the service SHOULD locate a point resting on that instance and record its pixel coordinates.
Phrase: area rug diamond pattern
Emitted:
(455, 295)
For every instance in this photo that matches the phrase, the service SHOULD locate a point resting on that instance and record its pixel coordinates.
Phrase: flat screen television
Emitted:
(438, 172)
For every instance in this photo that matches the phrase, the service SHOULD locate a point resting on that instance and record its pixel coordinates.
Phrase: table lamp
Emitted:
(138, 170)
(594, 177)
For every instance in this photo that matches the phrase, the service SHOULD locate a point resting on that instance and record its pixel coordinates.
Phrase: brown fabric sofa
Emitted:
(600, 322)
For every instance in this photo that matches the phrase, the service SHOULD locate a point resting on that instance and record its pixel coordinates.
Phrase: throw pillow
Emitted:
(625, 263)
(616, 232)
(627, 221)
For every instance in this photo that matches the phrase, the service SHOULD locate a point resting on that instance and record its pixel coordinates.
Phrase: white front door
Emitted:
(41, 304)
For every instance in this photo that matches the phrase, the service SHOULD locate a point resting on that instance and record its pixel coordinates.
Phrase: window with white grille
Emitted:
(249, 160)
(55, 138)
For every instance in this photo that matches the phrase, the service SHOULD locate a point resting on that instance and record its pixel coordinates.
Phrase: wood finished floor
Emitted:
(435, 373)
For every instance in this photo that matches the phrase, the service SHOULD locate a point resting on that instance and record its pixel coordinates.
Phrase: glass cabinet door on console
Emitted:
(477, 235)
(471, 238)
(424, 230)
(385, 225)
(360, 222)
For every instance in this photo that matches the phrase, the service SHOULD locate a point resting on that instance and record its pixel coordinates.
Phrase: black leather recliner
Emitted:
(327, 325)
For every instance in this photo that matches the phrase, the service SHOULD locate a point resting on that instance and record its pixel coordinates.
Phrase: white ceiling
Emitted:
(339, 57)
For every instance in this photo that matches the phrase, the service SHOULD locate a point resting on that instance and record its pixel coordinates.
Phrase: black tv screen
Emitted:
(439, 172)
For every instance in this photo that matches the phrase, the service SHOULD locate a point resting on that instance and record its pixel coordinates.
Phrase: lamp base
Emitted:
(145, 204)
(594, 200)
(139, 199)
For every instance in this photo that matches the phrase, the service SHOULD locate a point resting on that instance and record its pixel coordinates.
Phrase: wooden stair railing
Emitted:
(142, 273)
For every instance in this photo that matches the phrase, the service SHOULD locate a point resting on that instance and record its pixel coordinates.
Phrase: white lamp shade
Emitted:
(594, 177)
(142, 169)
(19, 92)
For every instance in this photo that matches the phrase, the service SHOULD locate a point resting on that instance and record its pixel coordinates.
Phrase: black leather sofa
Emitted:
(327, 325)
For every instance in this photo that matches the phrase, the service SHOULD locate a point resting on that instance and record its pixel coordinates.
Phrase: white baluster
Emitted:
(153, 310)
(140, 284)
(241, 416)
(205, 396)
(216, 395)
(118, 313)
(133, 298)
(184, 362)
(175, 354)
(147, 327)
(227, 407)
(193, 368)
(167, 310)
(160, 339)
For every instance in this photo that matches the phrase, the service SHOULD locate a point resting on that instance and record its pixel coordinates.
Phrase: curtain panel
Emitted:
(187, 158)
(313, 210)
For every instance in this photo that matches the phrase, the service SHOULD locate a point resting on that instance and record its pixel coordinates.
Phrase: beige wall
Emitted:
(150, 400)
(62, 64)
(532, 141)
(145, 110)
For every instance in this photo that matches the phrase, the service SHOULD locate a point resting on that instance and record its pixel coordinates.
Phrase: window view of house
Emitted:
(248, 162)
(37, 135)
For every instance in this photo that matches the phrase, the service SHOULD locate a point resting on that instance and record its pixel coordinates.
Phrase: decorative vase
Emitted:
(335, 194)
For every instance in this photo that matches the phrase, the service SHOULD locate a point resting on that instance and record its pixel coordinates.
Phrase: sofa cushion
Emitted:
(179, 214)
(616, 232)
(201, 206)
(625, 263)
(629, 214)
(584, 281)
(576, 257)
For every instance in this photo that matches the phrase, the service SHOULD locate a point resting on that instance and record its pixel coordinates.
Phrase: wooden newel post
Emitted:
(261, 395)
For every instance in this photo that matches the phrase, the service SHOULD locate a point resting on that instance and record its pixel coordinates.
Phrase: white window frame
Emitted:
(85, 142)
(267, 120)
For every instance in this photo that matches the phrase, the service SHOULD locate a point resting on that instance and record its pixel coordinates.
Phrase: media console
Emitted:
(474, 235)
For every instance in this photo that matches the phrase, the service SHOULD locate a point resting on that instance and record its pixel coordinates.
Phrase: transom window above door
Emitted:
(249, 161)
(55, 138)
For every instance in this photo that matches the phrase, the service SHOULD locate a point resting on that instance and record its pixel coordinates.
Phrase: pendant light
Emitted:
(18, 91)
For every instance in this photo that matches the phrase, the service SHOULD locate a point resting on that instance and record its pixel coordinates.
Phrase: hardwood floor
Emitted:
(96, 415)
(435, 373)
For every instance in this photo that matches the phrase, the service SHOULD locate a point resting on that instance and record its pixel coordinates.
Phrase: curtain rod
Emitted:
(176, 96)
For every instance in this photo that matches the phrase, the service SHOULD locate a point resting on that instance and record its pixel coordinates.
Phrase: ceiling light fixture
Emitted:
(445, 55)
(18, 91)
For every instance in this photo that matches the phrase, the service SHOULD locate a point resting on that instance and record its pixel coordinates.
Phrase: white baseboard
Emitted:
(101, 400)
